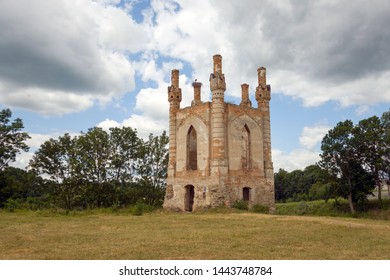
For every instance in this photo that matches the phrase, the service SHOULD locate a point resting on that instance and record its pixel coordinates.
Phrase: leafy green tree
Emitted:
(104, 168)
(21, 185)
(93, 152)
(153, 165)
(372, 149)
(57, 159)
(280, 179)
(346, 154)
(385, 173)
(125, 149)
(339, 156)
(12, 140)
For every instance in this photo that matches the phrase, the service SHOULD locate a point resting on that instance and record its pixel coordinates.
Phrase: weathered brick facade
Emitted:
(219, 152)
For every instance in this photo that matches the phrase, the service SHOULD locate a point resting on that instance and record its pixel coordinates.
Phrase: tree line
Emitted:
(98, 168)
(355, 160)
(117, 168)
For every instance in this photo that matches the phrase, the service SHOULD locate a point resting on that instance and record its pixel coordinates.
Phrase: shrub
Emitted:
(259, 208)
(303, 208)
(11, 204)
(138, 209)
(240, 204)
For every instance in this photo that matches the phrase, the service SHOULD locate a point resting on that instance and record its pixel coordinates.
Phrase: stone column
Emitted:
(218, 87)
(197, 92)
(174, 98)
(245, 96)
(263, 97)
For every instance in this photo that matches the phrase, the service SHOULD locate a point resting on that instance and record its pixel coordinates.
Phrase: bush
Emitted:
(259, 208)
(11, 205)
(138, 209)
(240, 204)
(303, 208)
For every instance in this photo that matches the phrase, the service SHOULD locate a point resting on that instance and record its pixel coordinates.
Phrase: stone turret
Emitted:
(218, 87)
(197, 93)
(245, 96)
(263, 90)
(263, 97)
(174, 99)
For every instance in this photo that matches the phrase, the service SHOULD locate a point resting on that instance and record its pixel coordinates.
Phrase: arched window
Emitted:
(192, 161)
(245, 148)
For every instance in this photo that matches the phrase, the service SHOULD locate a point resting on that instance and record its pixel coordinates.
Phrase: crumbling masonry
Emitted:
(219, 152)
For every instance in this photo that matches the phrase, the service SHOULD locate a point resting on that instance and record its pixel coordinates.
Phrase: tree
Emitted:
(153, 165)
(58, 160)
(12, 140)
(281, 178)
(125, 148)
(93, 152)
(346, 153)
(385, 174)
(339, 156)
(372, 149)
(21, 185)
(124, 156)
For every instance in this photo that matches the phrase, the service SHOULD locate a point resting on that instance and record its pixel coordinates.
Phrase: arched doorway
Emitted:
(189, 198)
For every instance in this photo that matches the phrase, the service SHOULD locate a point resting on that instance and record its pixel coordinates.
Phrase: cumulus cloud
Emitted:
(316, 51)
(306, 154)
(65, 56)
(152, 107)
(67, 52)
(311, 136)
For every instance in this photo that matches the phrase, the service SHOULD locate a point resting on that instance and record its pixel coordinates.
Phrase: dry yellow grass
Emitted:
(190, 236)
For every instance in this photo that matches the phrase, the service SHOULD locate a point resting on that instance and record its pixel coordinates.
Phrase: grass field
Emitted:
(44, 235)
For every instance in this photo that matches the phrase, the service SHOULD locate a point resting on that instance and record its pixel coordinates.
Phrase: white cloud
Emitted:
(311, 136)
(306, 154)
(151, 106)
(296, 159)
(71, 53)
(314, 51)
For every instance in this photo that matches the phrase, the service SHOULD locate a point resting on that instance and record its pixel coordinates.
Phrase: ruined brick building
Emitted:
(219, 152)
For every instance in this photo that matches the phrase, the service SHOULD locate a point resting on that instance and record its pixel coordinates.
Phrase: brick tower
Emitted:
(219, 152)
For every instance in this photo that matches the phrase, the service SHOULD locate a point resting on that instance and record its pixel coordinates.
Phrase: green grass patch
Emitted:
(223, 234)
(332, 208)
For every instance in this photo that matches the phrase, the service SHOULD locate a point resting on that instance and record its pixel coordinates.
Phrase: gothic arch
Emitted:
(245, 132)
(192, 147)
(202, 141)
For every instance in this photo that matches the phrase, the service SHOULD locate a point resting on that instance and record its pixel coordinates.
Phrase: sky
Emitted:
(70, 65)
